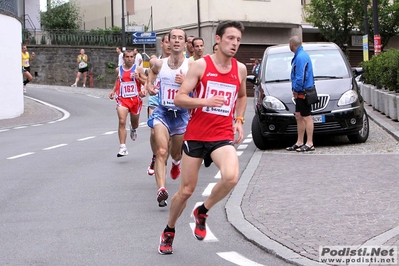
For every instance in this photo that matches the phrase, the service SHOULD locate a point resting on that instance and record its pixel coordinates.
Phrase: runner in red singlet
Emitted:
(217, 110)
(128, 98)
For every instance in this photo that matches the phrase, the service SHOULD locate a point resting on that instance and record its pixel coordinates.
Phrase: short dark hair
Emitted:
(127, 51)
(164, 36)
(221, 29)
(196, 39)
(214, 45)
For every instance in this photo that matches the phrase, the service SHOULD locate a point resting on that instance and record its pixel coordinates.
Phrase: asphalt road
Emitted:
(66, 199)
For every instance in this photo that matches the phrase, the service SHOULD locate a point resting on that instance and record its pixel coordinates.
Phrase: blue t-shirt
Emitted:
(301, 71)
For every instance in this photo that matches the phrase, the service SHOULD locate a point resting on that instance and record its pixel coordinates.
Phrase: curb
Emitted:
(251, 233)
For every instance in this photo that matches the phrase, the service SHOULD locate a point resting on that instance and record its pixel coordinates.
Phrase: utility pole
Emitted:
(366, 33)
(366, 22)
(112, 13)
(123, 26)
(377, 37)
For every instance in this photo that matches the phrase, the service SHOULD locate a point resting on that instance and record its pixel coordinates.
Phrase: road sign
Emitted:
(140, 37)
(142, 34)
(144, 40)
(134, 28)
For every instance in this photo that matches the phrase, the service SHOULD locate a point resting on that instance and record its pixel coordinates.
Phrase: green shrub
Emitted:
(389, 69)
(382, 70)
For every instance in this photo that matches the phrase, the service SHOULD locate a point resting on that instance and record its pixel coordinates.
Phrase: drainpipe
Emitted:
(112, 13)
(199, 18)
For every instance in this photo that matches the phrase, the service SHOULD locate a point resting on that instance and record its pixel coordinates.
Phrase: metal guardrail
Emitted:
(10, 6)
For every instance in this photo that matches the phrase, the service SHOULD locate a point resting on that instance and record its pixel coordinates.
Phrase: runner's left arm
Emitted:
(241, 104)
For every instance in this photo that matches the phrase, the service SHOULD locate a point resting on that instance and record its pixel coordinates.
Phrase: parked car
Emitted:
(340, 110)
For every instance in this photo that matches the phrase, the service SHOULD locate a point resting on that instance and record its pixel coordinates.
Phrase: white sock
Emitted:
(122, 146)
(175, 162)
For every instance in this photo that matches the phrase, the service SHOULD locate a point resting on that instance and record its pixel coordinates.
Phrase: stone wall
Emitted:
(56, 65)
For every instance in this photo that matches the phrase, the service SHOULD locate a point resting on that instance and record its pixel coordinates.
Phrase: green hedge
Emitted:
(382, 69)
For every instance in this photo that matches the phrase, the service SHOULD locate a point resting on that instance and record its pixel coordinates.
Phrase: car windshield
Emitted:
(327, 64)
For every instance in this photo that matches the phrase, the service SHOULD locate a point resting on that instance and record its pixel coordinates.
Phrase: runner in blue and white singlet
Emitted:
(168, 121)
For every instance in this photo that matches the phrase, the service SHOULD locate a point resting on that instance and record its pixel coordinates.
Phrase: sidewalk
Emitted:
(290, 204)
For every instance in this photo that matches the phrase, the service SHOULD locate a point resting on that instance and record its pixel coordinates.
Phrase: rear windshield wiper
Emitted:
(327, 77)
(277, 80)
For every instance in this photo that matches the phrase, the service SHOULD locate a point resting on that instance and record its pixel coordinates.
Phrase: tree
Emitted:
(336, 19)
(388, 20)
(61, 15)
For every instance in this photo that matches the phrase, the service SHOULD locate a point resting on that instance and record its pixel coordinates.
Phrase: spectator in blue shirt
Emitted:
(301, 78)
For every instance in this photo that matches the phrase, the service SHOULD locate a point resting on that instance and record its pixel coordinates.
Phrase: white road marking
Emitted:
(242, 147)
(247, 141)
(54, 147)
(4, 130)
(110, 132)
(37, 125)
(65, 112)
(249, 136)
(21, 155)
(82, 139)
(195, 206)
(92, 96)
(210, 237)
(239, 153)
(218, 176)
(208, 189)
(237, 259)
(20, 127)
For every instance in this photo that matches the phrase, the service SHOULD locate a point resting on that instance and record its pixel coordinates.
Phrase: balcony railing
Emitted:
(76, 37)
(10, 6)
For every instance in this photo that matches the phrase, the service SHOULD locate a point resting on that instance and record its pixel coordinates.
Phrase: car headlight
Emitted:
(348, 98)
(270, 102)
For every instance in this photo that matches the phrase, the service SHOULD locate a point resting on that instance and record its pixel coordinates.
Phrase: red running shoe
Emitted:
(165, 243)
(162, 196)
(175, 171)
(150, 169)
(200, 227)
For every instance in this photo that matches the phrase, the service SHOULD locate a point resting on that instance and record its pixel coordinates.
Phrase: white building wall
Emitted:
(177, 13)
(11, 88)
(32, 10)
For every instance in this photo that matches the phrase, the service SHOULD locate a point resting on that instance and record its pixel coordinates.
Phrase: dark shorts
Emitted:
(26, 69)
(83, 70)
(203, 149)
(302, 107)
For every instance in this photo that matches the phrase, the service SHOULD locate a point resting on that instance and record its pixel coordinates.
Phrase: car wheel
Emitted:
(259, 140)
(363, 133)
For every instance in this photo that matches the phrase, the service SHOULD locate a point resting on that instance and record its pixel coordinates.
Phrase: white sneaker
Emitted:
(84, 85)
(122, 152)
(133, 133)
(73, 85)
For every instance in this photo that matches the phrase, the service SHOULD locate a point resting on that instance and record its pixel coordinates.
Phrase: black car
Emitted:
(340, 109)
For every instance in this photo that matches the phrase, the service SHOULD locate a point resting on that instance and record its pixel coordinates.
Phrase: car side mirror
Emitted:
(357, 71)
(252, 79)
